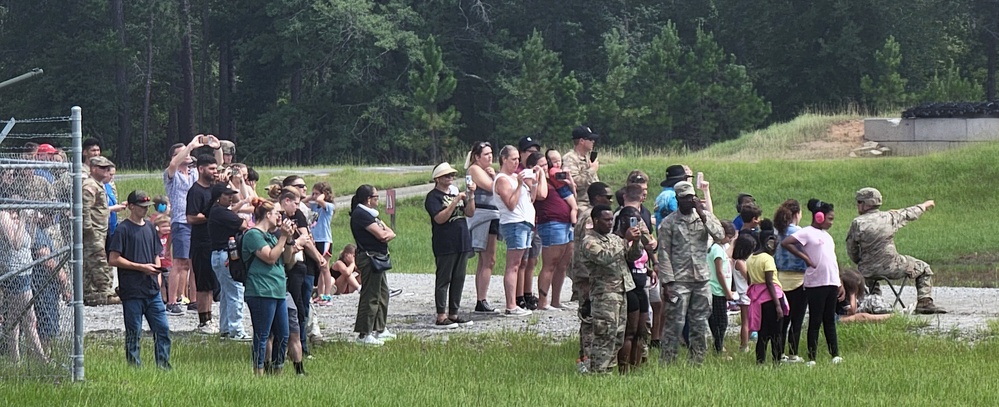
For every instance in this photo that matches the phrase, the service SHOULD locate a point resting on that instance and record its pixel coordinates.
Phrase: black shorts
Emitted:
(638, 300)
(201, 263)
(494, 227)
(314, 267)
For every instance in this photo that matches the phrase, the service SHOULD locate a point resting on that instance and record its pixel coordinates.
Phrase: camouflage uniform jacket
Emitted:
(579, 167)
(683, 246)
(95, 206)
(870, 243)
(577, 270)
(606, 258)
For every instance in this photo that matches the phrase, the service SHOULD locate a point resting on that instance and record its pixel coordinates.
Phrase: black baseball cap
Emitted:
(528, 142)
(584, 132)
(139, 198)
(221, 189)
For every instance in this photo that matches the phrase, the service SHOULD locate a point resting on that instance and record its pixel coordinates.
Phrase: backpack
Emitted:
(240, 268)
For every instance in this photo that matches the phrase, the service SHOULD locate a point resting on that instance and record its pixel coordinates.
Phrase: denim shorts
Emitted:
(180, 237)
(564, 191)
(555, 233)
(517, 235)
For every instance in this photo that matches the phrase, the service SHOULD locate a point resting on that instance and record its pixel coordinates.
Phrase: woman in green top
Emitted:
(265, 283)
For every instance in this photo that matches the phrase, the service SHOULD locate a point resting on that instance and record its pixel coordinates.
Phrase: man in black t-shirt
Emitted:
(199, 203)
(134, 249)
(224, 224)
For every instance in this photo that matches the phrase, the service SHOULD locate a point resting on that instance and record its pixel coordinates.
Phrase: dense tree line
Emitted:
(317, 81)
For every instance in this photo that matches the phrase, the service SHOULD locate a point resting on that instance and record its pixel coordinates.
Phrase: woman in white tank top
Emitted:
(515, 193)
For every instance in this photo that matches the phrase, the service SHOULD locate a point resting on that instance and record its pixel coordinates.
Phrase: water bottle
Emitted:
(233, 253)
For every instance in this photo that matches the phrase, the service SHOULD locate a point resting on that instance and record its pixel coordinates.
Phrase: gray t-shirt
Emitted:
(176, 189)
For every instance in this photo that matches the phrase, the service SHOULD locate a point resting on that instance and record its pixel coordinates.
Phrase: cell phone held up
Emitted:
(634, 222)
(700, 180)
(561, 176)
(593, 156)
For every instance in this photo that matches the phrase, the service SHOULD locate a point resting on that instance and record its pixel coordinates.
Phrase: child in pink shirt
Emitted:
(816, 247)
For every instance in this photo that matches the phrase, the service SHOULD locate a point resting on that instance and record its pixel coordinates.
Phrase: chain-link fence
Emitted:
(41, 320)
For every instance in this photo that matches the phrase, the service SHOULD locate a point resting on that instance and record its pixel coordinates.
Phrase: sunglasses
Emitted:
(299, 186)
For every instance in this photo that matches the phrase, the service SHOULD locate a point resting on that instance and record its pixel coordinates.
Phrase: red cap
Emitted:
(47, 149)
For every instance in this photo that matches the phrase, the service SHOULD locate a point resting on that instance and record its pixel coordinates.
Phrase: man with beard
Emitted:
(199, 203)
(684, 273)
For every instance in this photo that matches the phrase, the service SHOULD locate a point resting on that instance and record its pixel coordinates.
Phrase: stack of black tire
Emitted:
(966, 110)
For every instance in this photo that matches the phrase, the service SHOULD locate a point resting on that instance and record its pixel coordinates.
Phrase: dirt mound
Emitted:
(840, 139)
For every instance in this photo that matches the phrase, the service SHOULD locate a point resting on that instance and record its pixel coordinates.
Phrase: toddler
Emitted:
(561, 180)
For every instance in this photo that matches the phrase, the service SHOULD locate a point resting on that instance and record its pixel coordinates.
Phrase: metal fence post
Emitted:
(76, 129)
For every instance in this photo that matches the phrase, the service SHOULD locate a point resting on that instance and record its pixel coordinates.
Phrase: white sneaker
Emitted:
(208, 328)
(811, 363)
(385, 335)
(241, 337)
(369, 340)
(837, 360)
(795, 359)
(516, 312)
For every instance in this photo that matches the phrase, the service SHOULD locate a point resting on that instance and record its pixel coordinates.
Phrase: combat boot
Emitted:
(926, 306)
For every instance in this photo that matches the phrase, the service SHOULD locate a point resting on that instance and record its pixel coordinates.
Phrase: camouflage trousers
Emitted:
(610, 318)
(693, 306)
(581, 288)
(97, 278)
(912, 267)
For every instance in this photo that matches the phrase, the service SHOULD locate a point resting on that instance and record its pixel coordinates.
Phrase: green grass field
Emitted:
(885, 364)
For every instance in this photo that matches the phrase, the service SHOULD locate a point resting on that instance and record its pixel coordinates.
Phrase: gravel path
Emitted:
(412, 312)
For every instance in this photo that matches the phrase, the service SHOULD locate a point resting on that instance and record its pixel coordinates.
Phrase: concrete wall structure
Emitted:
(920, 136)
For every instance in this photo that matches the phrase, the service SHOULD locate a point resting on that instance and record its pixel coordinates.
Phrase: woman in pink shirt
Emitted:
(815, 246)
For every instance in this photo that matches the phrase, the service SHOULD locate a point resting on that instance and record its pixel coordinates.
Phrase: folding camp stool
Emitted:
(897, 290)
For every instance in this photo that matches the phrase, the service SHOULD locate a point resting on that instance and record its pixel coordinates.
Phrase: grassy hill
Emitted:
(957, 237)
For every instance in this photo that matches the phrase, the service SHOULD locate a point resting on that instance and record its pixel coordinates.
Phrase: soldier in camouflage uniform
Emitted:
(605, 257)
(599, 194)
(870, 243)
(228, 149)
(577, 163)
(97, 278)
(683, 272)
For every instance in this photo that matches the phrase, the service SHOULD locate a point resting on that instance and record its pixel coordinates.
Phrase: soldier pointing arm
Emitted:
(871, 245)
